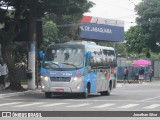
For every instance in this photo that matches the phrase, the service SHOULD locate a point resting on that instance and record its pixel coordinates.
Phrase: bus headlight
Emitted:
(74, 79)
(44, 78)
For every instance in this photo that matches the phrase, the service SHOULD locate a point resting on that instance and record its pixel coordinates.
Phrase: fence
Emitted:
(122, 63)
(132, 72)
(156, 68)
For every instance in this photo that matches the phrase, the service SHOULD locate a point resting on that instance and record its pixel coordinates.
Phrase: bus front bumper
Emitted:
(66, 89)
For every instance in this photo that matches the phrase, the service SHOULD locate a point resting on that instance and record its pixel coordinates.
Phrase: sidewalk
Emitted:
(9, 93)
(137, 81)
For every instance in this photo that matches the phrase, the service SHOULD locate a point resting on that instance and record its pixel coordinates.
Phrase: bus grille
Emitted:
(60, 79)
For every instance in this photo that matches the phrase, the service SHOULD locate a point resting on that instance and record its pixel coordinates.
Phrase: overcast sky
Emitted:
(115, 9)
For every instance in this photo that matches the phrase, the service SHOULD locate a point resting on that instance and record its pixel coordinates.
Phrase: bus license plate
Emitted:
(59, 90)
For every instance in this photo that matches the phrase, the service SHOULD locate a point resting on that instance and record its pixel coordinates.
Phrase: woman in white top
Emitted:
(4, 72)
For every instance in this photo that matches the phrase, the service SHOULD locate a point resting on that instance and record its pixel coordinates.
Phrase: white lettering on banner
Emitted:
(96, 29)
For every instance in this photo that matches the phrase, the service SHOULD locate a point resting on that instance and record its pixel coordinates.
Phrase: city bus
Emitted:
(78, 67)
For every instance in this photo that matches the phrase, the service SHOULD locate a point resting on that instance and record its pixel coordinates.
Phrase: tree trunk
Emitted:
(13, 75)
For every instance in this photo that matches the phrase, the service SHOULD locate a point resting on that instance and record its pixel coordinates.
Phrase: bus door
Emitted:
(90, 76)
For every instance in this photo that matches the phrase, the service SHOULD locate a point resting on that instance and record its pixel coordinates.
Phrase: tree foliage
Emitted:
(13, 11)
(149, 21)
(50, 33)
(144, 36)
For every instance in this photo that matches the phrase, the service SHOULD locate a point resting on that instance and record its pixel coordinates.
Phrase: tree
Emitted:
(13, 11)
(68, 23)
(136, 39)
(149, 23)
(144, 37)
(50, 33)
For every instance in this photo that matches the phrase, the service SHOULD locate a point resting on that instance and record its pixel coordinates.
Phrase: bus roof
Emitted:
(86, 43)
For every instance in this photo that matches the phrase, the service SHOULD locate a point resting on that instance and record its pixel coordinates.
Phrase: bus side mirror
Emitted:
(41, 54)
(89, 55)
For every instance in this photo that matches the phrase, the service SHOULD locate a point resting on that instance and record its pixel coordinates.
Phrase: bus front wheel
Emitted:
(85, 94)
(48, 94)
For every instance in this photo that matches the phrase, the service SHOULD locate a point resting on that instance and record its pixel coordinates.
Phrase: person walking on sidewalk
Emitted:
(1, 75)
(4, 72)
(126, 72)
(150, 74)
(141, 75)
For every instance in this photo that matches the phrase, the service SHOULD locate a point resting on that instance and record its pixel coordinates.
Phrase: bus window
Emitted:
(66, 57)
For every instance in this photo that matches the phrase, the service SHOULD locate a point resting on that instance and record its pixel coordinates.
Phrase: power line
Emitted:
(118, 6)
(131, 2)
(132, 15)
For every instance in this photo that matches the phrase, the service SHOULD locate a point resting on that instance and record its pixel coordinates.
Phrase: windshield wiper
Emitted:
(55, 64)
(70, 64)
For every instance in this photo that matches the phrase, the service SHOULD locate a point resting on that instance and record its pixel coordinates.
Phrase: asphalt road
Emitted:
(129, 97)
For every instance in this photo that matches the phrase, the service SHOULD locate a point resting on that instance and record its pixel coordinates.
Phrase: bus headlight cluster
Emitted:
(74, 79)
(44, 78)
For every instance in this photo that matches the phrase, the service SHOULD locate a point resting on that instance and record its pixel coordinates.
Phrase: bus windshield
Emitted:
(63, 57)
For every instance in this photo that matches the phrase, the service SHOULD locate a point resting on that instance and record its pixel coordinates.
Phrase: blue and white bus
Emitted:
(80, 67)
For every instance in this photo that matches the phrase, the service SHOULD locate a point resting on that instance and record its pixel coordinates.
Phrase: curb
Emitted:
(10, 94)
(14, 93)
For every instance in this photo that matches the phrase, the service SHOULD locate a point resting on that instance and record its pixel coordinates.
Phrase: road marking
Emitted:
(129, 106)
(150, 98)
(12, 103)
(25, 105)
(79, 105)
(152, 106)
(103, 106)
(54, 104)
(100, 100)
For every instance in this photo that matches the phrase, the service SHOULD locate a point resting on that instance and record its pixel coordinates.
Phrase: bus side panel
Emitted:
(91, 78)
(104, 77)
(102, 81)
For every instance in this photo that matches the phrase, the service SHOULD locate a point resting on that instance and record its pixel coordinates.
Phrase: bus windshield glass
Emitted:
(63, 57)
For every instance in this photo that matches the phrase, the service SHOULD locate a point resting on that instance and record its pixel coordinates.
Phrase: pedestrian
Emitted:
(126, 72)
(4, 72)
(150, 74)
(0, 75)
(141, 75)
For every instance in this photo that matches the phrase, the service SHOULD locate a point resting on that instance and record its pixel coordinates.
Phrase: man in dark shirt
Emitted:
(141, 75)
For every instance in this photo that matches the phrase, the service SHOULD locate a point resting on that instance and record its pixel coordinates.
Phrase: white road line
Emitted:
(152, 106)
(150, 98)
(12, 103)
(129, 106)
(54, 104)
(79, 105)
(103, 106)
(25, 105)
(100, 100)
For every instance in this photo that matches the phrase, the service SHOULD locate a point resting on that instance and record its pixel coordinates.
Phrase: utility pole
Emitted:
(32, 46)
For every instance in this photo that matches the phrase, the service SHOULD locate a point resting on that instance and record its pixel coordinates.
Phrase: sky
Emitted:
(115, 9)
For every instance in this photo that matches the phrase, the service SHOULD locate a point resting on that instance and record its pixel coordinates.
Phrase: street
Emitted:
(128, 97)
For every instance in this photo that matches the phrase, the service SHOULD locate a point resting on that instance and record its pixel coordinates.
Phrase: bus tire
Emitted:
(48, 94)
(85, 94)
(105, 93)
(108, 92)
